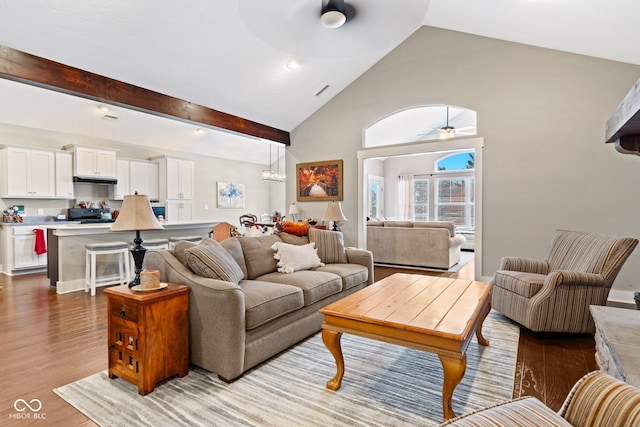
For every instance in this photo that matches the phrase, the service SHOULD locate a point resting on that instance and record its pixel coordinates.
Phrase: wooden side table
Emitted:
(148, 334)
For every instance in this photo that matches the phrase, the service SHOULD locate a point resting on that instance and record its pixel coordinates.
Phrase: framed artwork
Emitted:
(230, 195)
(319, 181)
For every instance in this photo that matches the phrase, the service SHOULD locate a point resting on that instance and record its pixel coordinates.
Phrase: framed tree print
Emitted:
(318, 181)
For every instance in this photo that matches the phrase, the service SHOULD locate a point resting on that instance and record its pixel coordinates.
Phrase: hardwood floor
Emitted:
(49, 340)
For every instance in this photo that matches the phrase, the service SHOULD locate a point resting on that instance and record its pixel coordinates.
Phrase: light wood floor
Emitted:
(49, 340)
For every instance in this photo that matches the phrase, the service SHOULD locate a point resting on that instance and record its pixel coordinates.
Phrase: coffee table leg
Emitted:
(453, 372)
(482, 340)
(332, 342)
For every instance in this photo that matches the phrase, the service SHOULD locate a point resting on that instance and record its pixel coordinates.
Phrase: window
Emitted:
(453, 190)
(421, 199)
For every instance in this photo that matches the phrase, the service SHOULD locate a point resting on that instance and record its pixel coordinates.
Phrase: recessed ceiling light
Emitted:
(103, 108)
(199, 131)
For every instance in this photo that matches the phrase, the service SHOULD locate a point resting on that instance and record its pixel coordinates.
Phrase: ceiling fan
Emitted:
(448, 131)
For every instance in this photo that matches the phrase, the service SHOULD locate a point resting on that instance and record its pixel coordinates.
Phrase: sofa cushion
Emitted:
(375, 223)
(232, 245)
(266, 301)
(315, 285)
(524, 284)
(351, 274)
(330, 245)
(295, 257)
(213, 261)
(293, 239)
(437, 224)
(258, 255)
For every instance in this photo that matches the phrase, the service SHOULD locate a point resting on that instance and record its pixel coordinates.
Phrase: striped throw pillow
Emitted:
(330, 245)
(214, 262)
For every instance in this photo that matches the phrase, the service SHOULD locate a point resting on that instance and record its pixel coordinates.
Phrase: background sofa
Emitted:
(421, 244)
(247, 311)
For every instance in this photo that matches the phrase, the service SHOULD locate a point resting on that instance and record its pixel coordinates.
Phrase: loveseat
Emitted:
(242, 310)
(432, 244)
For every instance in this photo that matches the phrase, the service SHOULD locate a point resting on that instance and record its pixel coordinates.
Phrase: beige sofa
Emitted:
(256, 311)
(422, 244)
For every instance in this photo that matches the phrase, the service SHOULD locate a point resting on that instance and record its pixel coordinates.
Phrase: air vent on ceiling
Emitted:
(110, 117)
(322, 90)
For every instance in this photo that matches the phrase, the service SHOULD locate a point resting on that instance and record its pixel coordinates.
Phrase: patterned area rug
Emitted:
(383, 385)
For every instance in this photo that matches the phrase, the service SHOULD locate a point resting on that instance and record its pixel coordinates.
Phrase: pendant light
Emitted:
(447, 131)
(274, 175)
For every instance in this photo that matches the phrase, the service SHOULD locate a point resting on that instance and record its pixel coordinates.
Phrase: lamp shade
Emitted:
(334, 212)
(294, 209)
(136, 215)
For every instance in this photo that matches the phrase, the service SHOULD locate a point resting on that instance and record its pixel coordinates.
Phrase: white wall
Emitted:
(261, 196)
(541, 113)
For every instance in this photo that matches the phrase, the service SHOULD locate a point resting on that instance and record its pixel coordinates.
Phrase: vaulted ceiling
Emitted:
(267, 61)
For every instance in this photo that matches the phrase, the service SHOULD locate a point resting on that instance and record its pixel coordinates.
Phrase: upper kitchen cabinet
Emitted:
(93, 162)
(176, 183)
(27, 172)
(64, 175)
(137, 175)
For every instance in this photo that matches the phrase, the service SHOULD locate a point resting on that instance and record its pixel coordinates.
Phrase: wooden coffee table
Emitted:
(434, 314)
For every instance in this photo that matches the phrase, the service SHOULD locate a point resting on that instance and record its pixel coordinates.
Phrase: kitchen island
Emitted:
(66, 248)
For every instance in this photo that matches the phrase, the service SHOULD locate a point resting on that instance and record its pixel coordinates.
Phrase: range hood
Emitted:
(102, 181)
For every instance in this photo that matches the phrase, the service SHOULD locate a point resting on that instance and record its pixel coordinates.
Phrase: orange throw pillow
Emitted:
(296, 228)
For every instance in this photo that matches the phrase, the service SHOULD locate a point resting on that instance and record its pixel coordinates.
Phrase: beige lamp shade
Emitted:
(334, 212)
(294, 209)
(136, 215)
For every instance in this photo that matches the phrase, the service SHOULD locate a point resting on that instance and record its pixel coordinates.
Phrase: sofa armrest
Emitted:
(216, 316)
(598, 399)
(457, 240)
(361, 257)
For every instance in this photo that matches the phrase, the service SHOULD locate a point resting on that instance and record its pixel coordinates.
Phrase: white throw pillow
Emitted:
(296, 257)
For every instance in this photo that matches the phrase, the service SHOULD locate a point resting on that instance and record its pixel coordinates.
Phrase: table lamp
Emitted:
(136, 215)
(334, 213)
(294, 210)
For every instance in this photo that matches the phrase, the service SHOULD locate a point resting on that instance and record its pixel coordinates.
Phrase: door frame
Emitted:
(476, 143)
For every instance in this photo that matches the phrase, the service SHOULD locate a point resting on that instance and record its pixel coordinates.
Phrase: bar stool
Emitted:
(175, 239)
(106, 248)
(150, 245)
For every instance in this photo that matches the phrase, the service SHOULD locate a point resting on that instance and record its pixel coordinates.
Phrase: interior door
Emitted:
(376, 197)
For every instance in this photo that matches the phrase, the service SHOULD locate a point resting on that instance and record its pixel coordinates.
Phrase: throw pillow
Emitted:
(213, 261)
(182, 245)
(295, 228)
(330, 245)
(295, 257)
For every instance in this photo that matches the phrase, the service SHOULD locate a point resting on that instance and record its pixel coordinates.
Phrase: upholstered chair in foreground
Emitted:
(596, 400)
(554, 295)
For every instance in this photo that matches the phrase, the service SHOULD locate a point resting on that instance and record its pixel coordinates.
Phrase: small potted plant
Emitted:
(636, 298)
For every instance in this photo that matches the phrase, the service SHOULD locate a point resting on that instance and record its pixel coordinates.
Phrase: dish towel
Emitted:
(41, 244)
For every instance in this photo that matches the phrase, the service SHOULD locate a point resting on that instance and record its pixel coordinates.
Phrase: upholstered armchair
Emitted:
(554, 295)
(596, 400)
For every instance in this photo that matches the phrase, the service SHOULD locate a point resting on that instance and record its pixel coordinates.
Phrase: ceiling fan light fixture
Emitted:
(333, 15)
(447, 132)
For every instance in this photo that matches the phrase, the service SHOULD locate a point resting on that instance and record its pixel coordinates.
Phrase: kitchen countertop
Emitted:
(69, 229)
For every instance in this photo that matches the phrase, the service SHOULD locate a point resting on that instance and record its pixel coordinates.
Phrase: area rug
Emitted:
(383, 385)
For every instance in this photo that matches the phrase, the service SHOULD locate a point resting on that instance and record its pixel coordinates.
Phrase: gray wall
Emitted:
(541, 113)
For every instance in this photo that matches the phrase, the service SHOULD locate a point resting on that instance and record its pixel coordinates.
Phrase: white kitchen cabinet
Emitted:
(176, 186)
(137, 175)
(27, 173)
(123, 175)
(178, 178)
(179, 210)
(24, 254)
(64, 175)
(93, 162)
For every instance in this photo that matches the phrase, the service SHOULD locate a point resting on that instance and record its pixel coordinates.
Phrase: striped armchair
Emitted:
(554, 295)
(596, 400)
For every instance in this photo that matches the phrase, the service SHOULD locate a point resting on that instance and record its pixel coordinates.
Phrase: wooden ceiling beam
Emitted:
(34, 70)
(623, 127)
